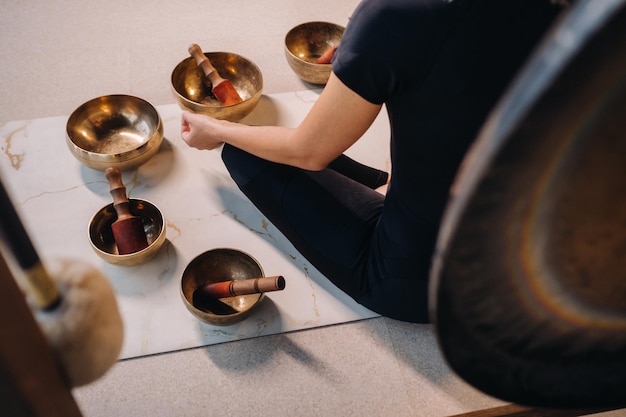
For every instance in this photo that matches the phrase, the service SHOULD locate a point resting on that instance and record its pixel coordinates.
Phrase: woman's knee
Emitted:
(242, 166)
(231, 155)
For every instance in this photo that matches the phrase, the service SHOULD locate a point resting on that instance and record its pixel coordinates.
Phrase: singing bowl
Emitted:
(528, 285)
(115, 130)
(219, 265)
(305, 43)
(101, 238)
(192, 90)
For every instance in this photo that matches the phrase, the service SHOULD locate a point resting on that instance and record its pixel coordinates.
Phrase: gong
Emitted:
(528, 285)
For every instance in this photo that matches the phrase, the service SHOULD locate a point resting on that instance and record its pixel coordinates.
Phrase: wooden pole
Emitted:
(31, 381)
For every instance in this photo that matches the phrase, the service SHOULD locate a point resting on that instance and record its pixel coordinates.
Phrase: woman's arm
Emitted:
(337, 120)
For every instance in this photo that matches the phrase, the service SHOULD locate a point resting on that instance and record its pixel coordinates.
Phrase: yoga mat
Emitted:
(56, 197)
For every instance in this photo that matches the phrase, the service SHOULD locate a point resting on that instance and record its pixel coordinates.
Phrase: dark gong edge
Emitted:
(496, 371)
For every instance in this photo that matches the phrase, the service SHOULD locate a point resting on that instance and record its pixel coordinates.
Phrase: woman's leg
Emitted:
(368, 176)
(327, 216)
(332, 220)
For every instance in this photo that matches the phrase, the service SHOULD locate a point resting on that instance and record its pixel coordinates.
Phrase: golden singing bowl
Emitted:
(101, 234)
(193, 91)
(305, 43)
(218, 265)
(115, 130)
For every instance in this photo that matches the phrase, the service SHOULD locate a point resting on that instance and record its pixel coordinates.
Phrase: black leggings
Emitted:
(347, 230)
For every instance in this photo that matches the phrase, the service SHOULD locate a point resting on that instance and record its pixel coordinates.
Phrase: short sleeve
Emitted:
(389, 45)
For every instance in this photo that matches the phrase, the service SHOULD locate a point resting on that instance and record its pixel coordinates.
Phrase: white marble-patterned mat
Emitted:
(56, 197)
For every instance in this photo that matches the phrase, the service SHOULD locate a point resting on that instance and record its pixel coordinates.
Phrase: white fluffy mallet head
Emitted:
(85, 330)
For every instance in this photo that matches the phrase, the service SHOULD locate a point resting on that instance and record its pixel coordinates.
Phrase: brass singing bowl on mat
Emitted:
(219, 265)
(101, 238)
(305, 43)
(116, 130)
(192, 90)
(528, 285)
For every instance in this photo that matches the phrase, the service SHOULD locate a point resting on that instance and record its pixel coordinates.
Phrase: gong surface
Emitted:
(528, 288)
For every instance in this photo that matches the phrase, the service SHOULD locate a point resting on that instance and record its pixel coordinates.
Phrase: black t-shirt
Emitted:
(439, 66)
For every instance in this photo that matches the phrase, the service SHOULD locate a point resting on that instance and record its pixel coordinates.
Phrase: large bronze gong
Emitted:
(528, 287)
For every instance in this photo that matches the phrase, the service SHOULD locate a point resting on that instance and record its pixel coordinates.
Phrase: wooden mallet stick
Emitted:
(237, 287)
(128, 231)
(222, 88)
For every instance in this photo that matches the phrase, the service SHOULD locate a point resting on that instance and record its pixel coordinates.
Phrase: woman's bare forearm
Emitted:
(320, 138)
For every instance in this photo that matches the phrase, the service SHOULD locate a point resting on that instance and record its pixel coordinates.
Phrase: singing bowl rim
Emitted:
(499, 327)
(189, 282)
(307, 70)
(234, 113)
(127, 159)
(100, 235)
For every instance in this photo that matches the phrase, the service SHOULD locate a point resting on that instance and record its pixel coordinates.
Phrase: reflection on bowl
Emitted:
(193, 92)
(218, 265)
(305, 43)
(115, 130)
(101, 234)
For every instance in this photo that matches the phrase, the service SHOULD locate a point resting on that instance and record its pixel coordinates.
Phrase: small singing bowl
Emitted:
(115, 130)
(192, 90)
(305, 43)
(219, 265)
(101, 233)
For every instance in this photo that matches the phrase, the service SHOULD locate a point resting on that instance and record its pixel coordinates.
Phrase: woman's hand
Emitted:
(200, 131)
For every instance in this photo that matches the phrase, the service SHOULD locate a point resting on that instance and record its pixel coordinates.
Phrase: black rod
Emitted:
(35, 280)
(15, 234)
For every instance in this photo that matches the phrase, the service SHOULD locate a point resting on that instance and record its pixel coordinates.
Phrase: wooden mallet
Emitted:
(233, 288)
(209, 297)
(222, 88)
(128, 230)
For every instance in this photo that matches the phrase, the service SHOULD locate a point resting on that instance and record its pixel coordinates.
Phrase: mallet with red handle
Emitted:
(128, 231)
(222, 88)
(224, 289)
